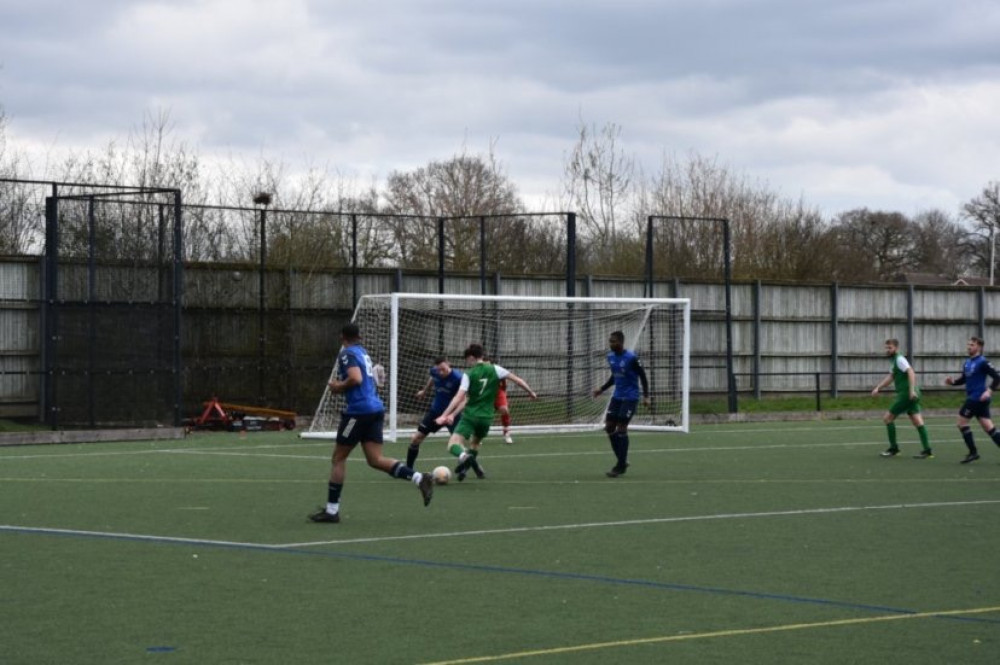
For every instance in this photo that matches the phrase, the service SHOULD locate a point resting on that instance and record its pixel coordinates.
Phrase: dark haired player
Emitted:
(977, 396)
(475, 399)
(360, 422)
(626, 375)
(444, 381)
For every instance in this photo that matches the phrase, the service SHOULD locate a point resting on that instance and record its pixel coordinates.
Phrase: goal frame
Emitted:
(393, 432)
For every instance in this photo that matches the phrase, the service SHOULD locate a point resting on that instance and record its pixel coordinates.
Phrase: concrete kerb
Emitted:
(90, 436)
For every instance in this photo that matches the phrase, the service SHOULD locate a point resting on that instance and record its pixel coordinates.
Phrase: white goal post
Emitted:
(558, 345)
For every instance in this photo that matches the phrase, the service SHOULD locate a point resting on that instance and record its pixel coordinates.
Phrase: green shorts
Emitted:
(470, 427)
(904, 404)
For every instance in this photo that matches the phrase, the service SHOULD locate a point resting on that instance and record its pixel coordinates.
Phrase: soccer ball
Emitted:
(442, 475)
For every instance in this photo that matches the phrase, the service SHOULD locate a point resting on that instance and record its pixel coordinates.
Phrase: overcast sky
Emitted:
(885, 104)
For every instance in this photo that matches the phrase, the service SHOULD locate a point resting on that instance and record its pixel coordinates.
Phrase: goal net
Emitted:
(558, 345)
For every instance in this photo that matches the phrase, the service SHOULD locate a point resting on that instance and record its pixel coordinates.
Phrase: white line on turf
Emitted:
(656, 520)
(133, 536)
(490, 532)
(495, 451)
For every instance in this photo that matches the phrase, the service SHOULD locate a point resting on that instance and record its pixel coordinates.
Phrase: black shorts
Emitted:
(973, 408)
(428, 426)
(362, 428)
(621, 410)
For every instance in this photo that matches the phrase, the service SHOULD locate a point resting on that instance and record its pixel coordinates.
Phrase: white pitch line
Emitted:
(518, 455)
(655, 520)
(486, 532)
(135, 536)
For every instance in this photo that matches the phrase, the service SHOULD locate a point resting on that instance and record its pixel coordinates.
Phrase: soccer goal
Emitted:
(557, 345)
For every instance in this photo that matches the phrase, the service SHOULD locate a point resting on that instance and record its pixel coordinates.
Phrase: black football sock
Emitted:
(400, 470)
(411, 455)
(623, 450)
(615, 446)
(969, 442)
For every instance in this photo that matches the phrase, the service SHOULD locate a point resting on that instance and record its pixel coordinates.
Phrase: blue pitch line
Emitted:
(482, 568)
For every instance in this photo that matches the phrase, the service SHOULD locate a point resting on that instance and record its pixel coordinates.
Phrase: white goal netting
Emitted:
(557, 345)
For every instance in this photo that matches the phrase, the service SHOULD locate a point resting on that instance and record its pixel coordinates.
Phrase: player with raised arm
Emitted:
(474, 400)
(977, 396)
(627, 373)
(907, 401)
(444, 381)
(360, 422)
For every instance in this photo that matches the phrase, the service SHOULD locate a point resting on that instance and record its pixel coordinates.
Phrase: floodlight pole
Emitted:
(993, 249)
(263, 200)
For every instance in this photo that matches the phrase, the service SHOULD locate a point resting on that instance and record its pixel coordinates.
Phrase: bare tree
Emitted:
(763, 225)
(20, 212)
(874, 245)
(465, 186)
(149, 158)
(940, 244)
(598, 180)
(984, 213)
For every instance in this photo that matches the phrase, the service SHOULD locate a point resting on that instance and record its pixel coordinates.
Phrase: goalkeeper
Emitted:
(474, 400)
(444, 381)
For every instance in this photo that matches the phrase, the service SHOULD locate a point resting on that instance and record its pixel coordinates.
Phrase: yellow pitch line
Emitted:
(718, 633)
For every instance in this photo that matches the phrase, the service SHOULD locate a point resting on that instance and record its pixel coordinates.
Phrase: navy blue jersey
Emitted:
(363, 398)
(626, 371)
(974, 374)
(445, 388)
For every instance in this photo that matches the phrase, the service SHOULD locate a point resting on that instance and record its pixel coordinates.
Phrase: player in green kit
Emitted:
(907, 400)
(474, 400)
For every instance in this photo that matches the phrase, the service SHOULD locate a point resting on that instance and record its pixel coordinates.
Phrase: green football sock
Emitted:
(891, 429)
(456, 449)
(924, 439)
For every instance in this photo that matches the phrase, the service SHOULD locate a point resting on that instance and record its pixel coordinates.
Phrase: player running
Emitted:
(474, 400)
(360, 422)
(977, 396)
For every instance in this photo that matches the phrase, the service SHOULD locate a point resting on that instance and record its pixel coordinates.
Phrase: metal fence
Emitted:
(783, 334)
(128, 317)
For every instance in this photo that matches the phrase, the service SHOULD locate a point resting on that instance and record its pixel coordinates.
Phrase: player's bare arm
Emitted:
(455, 406)
(882, 384)
(423, 391)
(912, 376)
(522, 384)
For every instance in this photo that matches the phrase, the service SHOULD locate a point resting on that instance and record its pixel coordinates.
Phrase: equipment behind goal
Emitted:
(558, 345)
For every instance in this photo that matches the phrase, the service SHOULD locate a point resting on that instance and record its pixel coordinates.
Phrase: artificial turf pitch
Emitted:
(750, 543)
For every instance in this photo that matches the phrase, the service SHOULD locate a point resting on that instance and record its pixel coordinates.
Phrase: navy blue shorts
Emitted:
(360, 428)
(621, 410)
(973, 408)
(428, 426)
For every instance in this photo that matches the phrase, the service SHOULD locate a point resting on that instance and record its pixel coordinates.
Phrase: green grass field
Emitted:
(768, 543)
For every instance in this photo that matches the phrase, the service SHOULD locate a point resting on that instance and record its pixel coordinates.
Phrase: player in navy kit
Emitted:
(445, 381)
(626, 375)
(360, 422)
(977, 396)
